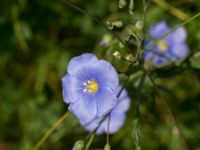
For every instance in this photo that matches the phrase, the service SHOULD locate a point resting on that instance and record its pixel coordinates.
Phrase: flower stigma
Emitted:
(91, 86)
(162, 45)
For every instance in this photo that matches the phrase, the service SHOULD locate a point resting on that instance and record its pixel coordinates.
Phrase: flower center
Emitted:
(162, 45)
(91, 86)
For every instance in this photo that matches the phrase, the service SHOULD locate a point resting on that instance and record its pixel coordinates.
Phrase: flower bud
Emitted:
(139, 25)
(107, 147)
(79, 145)
(110, 25)
(122, 3)
(117, 55)
(118, 23)
(121, 45)
(130, 57)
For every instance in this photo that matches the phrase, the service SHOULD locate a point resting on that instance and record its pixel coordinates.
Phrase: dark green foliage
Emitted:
(38, 38)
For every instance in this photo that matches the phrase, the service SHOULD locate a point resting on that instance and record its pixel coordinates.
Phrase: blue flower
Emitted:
(89, 86)
(117, 116)
(170, 48)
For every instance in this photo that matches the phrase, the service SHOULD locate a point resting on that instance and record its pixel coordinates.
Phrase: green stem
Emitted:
(89, 142)
(50, 130)
(108, 133)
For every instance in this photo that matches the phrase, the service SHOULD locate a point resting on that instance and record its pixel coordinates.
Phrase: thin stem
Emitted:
(137, 134)
(139, 91)
(18, 29)
(108, 133)
(95, 129)
(165, 107)
(147, 73)
(141, 43)
(69, 3)
(136, 131)
(173, 10)
(50, 130)
(89, 142)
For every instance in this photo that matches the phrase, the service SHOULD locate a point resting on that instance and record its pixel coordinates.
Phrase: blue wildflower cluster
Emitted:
(91, 89)
(170, 48)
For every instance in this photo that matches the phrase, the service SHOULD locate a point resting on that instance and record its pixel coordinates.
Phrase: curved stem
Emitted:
(50, 130)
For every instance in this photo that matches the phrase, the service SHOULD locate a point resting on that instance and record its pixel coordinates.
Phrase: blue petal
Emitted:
(106, 100)
(147, 55)
(160, 60)
(179, 35)
(87, 67)
(80, 62)
(123, 102)
(106, 74)
(159, 29)
(71, 88)
(92, 125)
(116, 122)
(117, 115)
(180, 50)
(85, 109)
(101, 71)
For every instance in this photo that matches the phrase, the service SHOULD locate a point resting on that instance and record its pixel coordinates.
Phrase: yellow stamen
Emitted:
(91, 86)
(162, 45)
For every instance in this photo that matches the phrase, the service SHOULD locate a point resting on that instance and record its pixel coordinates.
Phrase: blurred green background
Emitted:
(38, 38)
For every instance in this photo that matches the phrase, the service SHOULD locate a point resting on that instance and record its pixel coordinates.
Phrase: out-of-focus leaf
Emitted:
(195, 60)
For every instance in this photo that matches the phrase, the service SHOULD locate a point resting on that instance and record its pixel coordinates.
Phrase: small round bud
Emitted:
(79, 145)
(107, 147)
(117, 55)
(121, 45)
(107, 38)
(118, 23)
(139, 25)
(110, 25)
(130, 57)
(122, 3)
